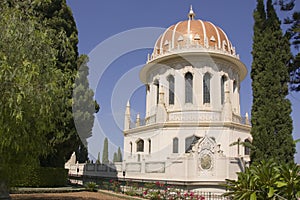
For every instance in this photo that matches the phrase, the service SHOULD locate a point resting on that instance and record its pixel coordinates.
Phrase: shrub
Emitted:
(41, 177)
(266, 180)
(91, 186)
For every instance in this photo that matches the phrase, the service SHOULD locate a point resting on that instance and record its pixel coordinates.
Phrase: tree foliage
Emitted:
(98, 159)
(120, 158)
(55, 20)
(271, 120)
(83, 102)
(105, 159)
(57, 16)
(293, 33)
(266, 180)
(31, 88)
(81, 154)
(115, 158)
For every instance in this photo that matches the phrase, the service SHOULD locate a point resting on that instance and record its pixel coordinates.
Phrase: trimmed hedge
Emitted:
(42, 177)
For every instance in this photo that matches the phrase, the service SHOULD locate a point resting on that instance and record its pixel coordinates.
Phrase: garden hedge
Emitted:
(42, 177)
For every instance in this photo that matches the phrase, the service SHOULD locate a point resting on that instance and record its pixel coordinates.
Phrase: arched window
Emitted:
(130, 144)
(140, 145)
(175, 145)
(223, 80)
(149, 143)
(190, 141)
(188, 87)
(206, 88)
(247, 148)
(171, 89)
(156, 83)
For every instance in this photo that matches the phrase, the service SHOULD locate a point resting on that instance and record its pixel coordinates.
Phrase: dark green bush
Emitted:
(42, 177)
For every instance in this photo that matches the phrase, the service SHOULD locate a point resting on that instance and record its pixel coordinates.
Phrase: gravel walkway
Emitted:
(64, 196)
(70, 196)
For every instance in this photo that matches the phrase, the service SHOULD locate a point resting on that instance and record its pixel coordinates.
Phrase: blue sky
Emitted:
(102, 27)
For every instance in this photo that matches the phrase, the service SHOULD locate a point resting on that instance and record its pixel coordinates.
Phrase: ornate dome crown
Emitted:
(192, 35)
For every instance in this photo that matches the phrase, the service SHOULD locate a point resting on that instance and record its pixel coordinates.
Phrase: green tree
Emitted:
(79, 103)
(98, 158)
(105, 152)
(83, 101)
(271, 120)
(56, 16)
(293, 33)
(120, 159)
(81, 154)
(115, 158)
(31, 90)
(266, 180)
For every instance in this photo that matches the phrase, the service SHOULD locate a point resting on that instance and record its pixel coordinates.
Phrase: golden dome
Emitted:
(193, 35)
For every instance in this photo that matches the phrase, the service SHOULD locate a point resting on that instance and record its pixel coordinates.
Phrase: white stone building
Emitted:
(193, 114)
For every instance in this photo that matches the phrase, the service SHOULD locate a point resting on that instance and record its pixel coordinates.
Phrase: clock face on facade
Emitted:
(206, 161)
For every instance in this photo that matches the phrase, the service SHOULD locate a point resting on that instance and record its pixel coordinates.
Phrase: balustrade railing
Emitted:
(198, 117)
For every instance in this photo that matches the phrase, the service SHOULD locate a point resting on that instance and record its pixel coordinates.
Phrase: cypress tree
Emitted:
(120, 159)
(115, 158)
(98, 159)
(271, 120)
(81, 154)
(57, 16)
(105, 152)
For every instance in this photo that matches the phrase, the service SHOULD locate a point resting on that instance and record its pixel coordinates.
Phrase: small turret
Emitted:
(137, 120)
(247, 122)
(127, 117)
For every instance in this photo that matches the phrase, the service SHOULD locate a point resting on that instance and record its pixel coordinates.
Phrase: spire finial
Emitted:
(191, 14)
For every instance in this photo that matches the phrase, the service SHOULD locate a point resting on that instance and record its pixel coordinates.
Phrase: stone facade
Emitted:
(192, 113)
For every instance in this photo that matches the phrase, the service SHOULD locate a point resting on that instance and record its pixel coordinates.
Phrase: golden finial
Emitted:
(191, 14)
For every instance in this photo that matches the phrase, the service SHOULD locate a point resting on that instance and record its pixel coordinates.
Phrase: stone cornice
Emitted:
(230, 125)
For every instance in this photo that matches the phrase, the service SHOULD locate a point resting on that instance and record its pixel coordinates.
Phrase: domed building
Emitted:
(193, 129)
